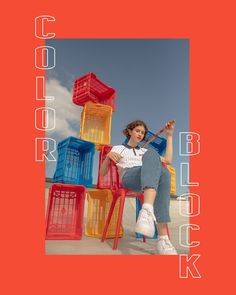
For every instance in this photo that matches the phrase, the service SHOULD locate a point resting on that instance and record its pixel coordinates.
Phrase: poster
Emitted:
(26, 266)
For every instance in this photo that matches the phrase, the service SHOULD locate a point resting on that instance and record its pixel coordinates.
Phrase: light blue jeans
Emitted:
(151, 174)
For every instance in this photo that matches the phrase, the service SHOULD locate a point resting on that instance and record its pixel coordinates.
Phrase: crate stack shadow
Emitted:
(73, 179)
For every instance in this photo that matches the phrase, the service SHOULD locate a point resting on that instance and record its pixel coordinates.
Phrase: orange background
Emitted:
(209, 25)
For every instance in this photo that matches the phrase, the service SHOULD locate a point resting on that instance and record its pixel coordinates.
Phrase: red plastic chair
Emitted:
(112, 181)
(118, 192)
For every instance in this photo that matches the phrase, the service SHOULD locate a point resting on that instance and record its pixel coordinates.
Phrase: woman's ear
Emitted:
(129, 131)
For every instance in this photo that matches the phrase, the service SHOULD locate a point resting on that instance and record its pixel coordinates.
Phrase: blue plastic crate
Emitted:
(138, 208)
(159, 143)
(75, 162)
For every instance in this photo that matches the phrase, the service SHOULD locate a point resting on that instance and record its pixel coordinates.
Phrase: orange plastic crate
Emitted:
(90, 88)
(99, 202)
(65, 212)
(172, 180)
(95, 123)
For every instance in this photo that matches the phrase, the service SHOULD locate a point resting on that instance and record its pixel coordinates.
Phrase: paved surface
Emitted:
(128, 244)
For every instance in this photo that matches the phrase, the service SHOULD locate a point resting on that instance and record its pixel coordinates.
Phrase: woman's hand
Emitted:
(114, 156)
(169, 128)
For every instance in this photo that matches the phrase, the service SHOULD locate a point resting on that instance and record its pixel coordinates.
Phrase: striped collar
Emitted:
(137, 147)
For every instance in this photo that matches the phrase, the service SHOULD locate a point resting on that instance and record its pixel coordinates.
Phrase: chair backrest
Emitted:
(111, 180)
(115, 181)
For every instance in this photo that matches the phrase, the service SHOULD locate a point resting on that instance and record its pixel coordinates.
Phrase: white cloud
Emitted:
(67, 114)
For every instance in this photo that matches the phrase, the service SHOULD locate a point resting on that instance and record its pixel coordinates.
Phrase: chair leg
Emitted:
(119, 219)
(167, 229)
(108, 219)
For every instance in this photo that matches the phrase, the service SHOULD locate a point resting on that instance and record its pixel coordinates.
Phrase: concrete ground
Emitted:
(128, 244)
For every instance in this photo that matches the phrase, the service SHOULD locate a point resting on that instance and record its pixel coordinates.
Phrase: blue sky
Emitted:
(151, 78)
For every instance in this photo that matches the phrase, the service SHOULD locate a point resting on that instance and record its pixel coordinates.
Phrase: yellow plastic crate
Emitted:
(99, 202)
(96, 123)
(172, 180)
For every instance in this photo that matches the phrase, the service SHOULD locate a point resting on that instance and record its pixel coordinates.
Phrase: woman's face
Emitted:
(137, 134)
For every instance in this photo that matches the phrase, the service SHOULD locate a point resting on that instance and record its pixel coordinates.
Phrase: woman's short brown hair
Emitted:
(134, 124)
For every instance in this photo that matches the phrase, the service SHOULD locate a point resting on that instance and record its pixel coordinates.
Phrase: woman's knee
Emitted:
(152, 155)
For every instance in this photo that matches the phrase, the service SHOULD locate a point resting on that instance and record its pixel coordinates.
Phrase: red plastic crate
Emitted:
(65, 212)
(111, 180)
(90, 88)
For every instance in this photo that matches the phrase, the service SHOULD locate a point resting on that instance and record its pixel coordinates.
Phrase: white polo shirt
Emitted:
(131, 157)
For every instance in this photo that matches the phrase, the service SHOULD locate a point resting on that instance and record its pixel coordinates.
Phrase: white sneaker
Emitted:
(164, 247)
(145, 223)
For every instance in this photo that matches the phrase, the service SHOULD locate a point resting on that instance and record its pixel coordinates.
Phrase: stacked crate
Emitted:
(90, 89)
(99, 203)
(65, 212)
(99, 102)
(75, 163)
(95, 123)
(172, 180)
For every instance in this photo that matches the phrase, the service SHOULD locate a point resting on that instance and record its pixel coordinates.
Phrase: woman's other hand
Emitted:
(169, 128)
(114, 156)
